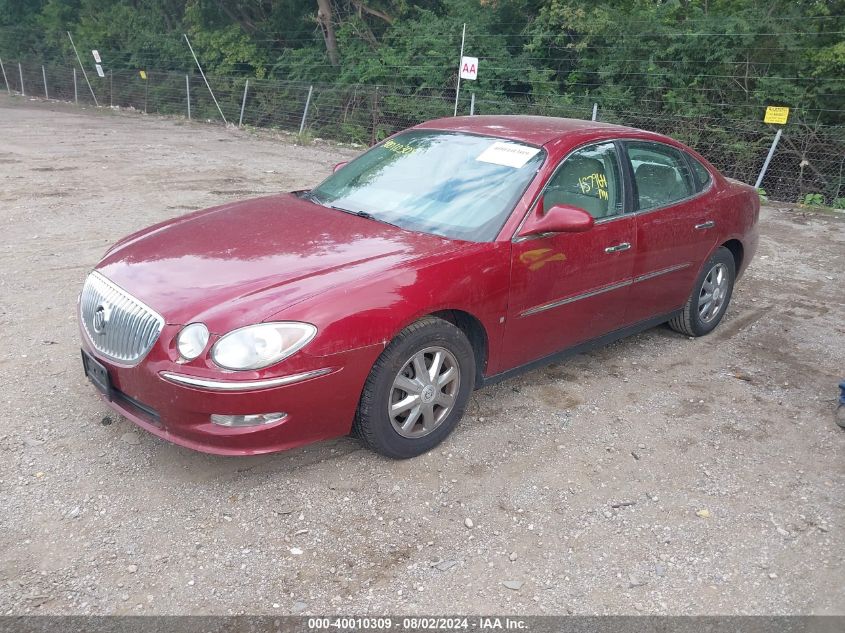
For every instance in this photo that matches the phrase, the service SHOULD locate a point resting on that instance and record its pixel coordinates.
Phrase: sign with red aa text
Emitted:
(469, 68)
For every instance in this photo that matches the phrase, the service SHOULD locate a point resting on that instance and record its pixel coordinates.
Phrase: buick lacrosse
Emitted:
(452, 255)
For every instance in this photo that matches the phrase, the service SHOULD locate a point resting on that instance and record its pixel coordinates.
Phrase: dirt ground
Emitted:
(659, 475)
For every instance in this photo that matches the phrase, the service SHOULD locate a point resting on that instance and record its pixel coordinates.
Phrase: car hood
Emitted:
(242, 262)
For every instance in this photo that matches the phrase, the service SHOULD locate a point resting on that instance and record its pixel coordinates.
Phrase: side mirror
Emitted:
(560, 218)
(340, 166)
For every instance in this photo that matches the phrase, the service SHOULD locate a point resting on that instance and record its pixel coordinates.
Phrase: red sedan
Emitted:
(448, 257)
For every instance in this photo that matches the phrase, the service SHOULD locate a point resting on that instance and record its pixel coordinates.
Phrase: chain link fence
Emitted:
(807, 165)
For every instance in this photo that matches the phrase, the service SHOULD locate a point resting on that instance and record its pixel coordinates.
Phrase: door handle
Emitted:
(709, 224)
(624, 246)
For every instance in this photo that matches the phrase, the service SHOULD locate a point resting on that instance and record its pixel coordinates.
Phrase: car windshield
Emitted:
(460, 186)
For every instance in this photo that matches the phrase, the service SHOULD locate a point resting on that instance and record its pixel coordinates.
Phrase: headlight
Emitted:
(262, 345)
(192, 340)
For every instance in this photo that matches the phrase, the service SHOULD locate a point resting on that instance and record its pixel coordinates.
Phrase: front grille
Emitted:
(117, 324)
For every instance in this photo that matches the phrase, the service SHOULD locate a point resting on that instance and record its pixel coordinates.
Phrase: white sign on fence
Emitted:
(469, 68)
(100, 70)
(96, 55)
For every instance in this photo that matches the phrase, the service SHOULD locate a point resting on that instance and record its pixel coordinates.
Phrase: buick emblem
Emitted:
(428, 394)
(101, 317)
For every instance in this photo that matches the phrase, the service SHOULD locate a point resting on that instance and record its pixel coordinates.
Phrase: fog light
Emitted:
(247, 420)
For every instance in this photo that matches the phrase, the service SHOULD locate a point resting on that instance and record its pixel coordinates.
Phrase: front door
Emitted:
(567, 288)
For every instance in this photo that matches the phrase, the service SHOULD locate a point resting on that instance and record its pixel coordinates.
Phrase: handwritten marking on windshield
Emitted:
(399, 148)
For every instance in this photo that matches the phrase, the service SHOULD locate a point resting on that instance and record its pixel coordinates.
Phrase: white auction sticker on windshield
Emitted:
(508, 154)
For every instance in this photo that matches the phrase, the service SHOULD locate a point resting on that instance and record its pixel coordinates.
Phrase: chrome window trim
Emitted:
(597, 291)
(241, 385)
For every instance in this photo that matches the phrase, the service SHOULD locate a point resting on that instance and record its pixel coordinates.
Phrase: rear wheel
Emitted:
(710, 296)
(417, 390)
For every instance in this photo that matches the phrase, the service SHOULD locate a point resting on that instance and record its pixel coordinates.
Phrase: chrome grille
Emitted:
(117, 324)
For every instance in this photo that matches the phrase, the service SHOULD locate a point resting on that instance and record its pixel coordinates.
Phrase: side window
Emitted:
(702, 176)
(588, 179)
(661, 174)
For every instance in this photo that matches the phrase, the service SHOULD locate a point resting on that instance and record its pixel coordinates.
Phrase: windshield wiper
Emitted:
(311, 197)
(361, 214)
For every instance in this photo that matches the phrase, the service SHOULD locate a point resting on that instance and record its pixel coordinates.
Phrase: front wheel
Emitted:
(417, 390)
(710, 296)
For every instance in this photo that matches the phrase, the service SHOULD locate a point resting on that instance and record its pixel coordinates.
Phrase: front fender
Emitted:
(372, 311)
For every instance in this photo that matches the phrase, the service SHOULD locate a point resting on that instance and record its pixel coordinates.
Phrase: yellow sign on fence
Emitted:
(144, 76)
(776, 114)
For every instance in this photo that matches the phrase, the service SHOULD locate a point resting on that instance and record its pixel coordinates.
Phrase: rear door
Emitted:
(567, 288)
(675, 231)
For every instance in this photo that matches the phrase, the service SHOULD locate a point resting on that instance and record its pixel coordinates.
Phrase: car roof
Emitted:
(535, 130)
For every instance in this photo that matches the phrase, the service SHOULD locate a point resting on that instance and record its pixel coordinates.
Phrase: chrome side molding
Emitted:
(592, 293)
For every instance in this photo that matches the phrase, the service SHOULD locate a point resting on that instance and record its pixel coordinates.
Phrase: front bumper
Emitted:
(320, 403)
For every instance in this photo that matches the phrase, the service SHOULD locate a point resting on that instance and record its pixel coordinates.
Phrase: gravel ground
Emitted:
(658, 475)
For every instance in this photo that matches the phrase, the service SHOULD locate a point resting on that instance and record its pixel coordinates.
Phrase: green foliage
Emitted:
(700, 70)
(838, 203)
(722, 58)
(695, 57)
(814, 200)
(762, 193)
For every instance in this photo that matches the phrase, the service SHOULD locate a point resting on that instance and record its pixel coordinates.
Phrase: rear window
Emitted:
(661, 174)
(702, 176)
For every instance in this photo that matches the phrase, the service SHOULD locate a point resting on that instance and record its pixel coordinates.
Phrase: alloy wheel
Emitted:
(713, 293)
(424, 392)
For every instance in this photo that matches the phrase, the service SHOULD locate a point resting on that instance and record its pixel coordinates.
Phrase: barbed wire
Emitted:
(809, 160)
(109, 62)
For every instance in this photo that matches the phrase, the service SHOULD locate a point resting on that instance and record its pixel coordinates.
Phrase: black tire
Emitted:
(691, 321)
(373, 425)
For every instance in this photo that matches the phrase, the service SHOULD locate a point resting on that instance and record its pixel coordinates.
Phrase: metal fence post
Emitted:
(44, 75)
(20, 72)
(472, 104)
(768, 159)
(205, 79)
(75, 91)
(5, 79)
(305, 111)
(111, 89)
(243, 103)
(84, 74)
(188, 94)
(375, 117)
(460, 61)
(595, 110)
